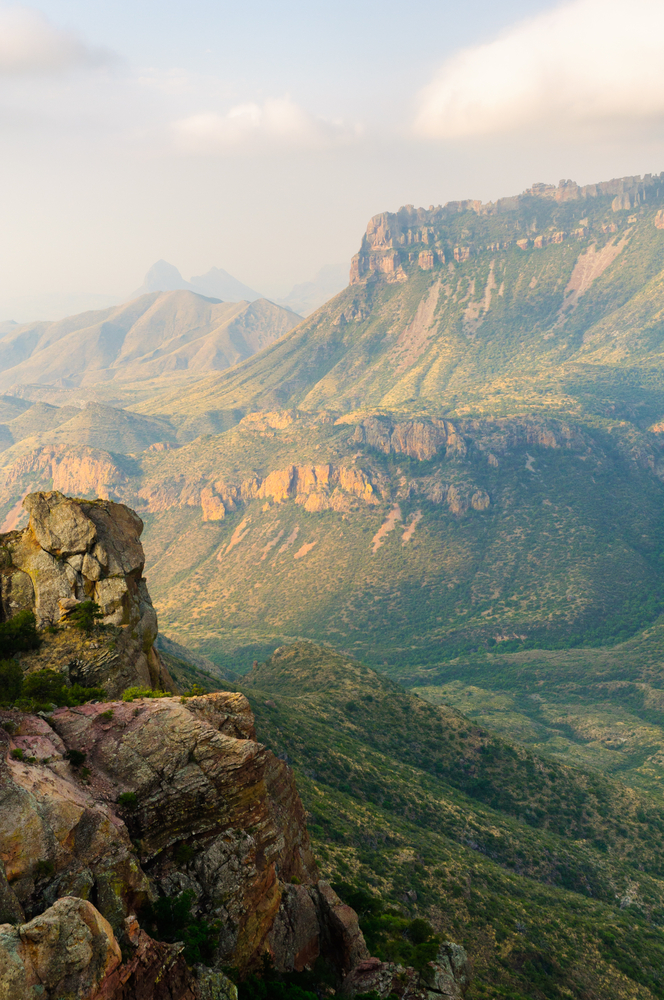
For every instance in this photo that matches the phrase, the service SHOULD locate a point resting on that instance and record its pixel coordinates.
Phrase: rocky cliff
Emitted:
(425, 238)
(74, 551)
(177, 800)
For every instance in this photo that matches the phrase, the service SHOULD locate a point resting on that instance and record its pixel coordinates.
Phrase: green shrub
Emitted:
(85, 616)
(75, 757)
(48, 687)
(183, 853)
(128, 800)
(170, 919)
(107, 716)
(131, 693)
(45, 687)
(44, 869)
(195, 691)
(11, 681)
(19, 634)
(18, 754)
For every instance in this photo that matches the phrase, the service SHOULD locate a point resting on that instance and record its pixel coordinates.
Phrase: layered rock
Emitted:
(395, 240)
(74, 551)
(177, 795)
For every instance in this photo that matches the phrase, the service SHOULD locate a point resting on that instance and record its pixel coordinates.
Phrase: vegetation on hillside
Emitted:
(551, 876)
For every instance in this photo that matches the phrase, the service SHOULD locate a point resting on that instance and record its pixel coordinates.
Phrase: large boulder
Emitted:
(70, 951)
(74, 551)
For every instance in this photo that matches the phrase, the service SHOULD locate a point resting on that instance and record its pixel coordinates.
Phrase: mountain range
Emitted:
(448, 478)
(158, 333)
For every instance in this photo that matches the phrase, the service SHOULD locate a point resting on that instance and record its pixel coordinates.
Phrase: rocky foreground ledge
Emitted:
(105, 809)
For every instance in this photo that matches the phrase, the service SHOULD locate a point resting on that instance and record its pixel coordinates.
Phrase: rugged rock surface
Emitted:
(393, 240)
(176, 795)
(71, 951)
(74, 551)
(446, 978)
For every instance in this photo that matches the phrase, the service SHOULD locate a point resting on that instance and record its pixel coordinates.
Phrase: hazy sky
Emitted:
(260, 137)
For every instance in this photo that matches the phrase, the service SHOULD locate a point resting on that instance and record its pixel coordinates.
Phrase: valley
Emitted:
(422, 530)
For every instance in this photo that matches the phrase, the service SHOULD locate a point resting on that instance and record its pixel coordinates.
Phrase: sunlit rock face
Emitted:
(80, 550)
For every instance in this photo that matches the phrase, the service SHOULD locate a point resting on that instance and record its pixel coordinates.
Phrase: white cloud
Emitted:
(30, 44)
(584, 64)
(277, 121)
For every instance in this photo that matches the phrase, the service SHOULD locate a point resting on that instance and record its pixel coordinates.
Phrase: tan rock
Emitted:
(213, 507)
(456, 501)
(480, 500)
(66, 951)
(73, 551)
(316, 502)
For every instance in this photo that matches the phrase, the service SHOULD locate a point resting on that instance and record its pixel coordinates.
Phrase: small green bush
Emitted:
(107, 716)
(85, 616)
(11, 681)
(44, 688)
(195, 691)
(19, 634)
(75, 757)
(183, 853)
(18, 754)
(44, 869)
(170, 919)
(128, 800)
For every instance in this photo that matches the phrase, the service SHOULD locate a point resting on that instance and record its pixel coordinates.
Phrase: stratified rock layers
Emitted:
(94, 847)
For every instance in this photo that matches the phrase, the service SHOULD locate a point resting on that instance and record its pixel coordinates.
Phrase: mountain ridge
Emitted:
(159, 332)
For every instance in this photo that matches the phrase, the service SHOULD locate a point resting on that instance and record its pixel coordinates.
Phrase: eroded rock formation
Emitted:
(177, 795)
(74, 551)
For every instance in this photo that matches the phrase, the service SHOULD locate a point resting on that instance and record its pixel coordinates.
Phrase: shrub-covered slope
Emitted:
(551, 876)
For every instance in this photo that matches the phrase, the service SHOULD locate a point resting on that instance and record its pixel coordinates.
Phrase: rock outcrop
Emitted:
(446, 978)
(176, 796)
(74, 551)
(424, 238)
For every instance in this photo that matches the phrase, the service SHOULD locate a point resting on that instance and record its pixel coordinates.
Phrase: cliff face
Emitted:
(428, 237)
(74, 551)
(206, 809)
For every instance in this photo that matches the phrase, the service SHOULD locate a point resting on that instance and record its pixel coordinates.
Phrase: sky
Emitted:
(261, 137)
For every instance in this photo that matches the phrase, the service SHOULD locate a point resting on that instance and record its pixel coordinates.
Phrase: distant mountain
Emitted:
(309, 295)
(221, 285)
(216, 284)
(156, 334)
(161, 277)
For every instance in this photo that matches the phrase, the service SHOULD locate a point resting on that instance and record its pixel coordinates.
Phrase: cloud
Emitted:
(30, 44)
(275, 122)
(596, 64)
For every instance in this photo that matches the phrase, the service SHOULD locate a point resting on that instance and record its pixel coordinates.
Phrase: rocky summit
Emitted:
(75, 551)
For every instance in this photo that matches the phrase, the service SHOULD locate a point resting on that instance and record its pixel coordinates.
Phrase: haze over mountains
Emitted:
(454, 470)
(371, 456)
(303, 298)
(157, 333)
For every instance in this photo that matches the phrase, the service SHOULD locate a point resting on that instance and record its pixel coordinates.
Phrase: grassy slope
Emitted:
(551, 876)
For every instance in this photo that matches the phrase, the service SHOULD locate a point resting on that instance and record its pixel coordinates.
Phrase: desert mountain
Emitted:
(531, 302)
(216, 284)
(155, 334)
(460, 451)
